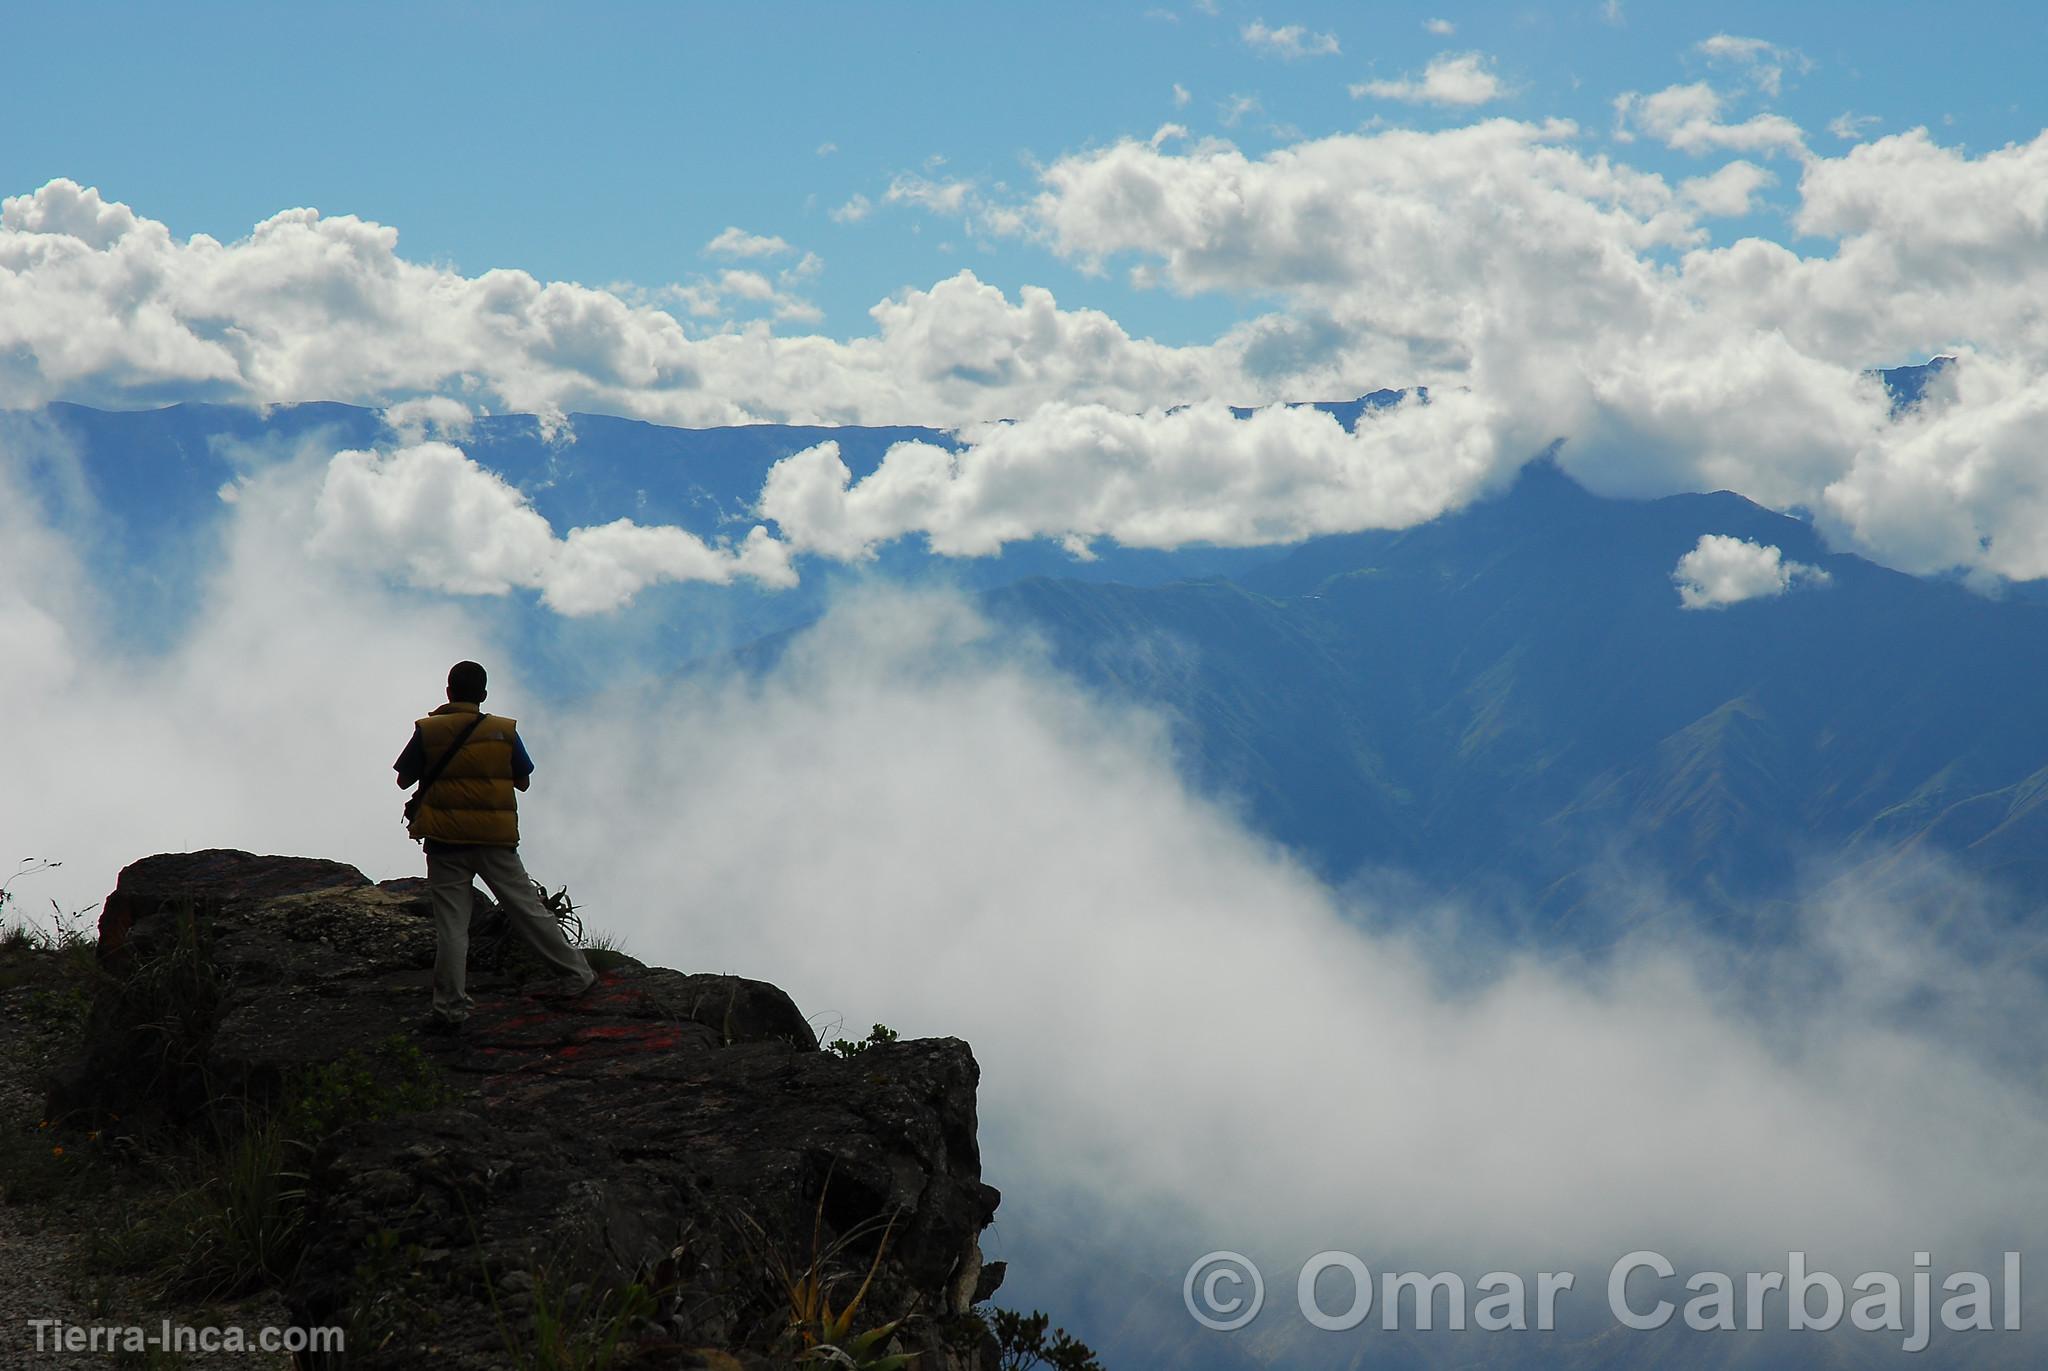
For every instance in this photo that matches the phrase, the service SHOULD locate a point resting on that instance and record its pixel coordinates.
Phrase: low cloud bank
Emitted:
(911, 823)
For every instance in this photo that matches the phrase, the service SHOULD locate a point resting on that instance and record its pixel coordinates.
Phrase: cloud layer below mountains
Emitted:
(1565, 294)
(914, 821)
(1183, 1028)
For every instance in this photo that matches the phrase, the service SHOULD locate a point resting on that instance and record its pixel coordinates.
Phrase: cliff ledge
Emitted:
(671, 1153)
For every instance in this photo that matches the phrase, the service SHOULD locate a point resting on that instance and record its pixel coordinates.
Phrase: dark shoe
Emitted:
(438, 1026)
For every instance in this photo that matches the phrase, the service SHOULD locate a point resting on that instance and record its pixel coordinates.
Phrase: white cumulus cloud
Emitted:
(937, 197)
(1160, 479)
(102, 306)
(446, 524)
(1721, 571)
(1501, 257)
(1962, 482)
(733, 241)
(1688, 118)
(1577, 299)
(1461, 79)
(1290, 41)
(1729, 191)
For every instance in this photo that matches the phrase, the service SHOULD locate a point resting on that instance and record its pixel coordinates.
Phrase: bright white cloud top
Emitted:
(1721, 571)
(452, 526)
(1161, 479)
(1729, 192)
(1543, 290)
(1688, 118)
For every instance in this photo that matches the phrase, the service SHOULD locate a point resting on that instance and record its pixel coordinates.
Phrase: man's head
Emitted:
(466, 684)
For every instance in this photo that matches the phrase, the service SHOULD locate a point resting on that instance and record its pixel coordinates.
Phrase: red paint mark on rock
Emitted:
(617, 1040)
(613, 1030)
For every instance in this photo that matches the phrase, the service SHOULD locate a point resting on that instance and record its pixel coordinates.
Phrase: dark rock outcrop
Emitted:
(678, 1134)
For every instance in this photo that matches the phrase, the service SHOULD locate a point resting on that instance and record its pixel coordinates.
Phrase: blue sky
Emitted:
(609, 143)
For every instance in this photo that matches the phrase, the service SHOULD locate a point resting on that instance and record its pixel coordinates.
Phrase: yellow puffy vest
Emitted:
(473, 800)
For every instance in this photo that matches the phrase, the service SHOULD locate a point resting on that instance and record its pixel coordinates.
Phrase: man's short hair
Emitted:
(466, 682)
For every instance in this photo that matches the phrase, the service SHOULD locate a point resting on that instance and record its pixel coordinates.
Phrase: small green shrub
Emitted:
(880, 1033)
(1025, 1343)
(393, 1079)
(63, 1006)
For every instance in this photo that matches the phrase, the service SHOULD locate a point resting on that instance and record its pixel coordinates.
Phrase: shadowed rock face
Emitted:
(682, 1131)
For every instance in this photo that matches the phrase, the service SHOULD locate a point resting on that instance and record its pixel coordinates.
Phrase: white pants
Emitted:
(451, 874)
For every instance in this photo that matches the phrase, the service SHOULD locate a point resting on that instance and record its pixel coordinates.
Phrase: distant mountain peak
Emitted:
(1908, 384)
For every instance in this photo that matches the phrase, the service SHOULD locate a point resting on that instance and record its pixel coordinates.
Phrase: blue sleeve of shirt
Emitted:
(413, 761)
(522, 765)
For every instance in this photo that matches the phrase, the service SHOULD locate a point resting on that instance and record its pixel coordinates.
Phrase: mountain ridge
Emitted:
(1519, 678)
(1509, 690)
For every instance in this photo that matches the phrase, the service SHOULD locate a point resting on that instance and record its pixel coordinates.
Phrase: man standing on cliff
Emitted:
(467, 817)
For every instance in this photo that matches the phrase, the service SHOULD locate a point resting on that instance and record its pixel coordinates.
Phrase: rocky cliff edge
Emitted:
(669, 1160)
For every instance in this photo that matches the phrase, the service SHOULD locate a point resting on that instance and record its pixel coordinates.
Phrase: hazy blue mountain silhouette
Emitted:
(1514, 691)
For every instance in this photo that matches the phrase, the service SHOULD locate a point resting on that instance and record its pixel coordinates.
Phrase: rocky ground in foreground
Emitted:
(60, 1204)
(666, 1171)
